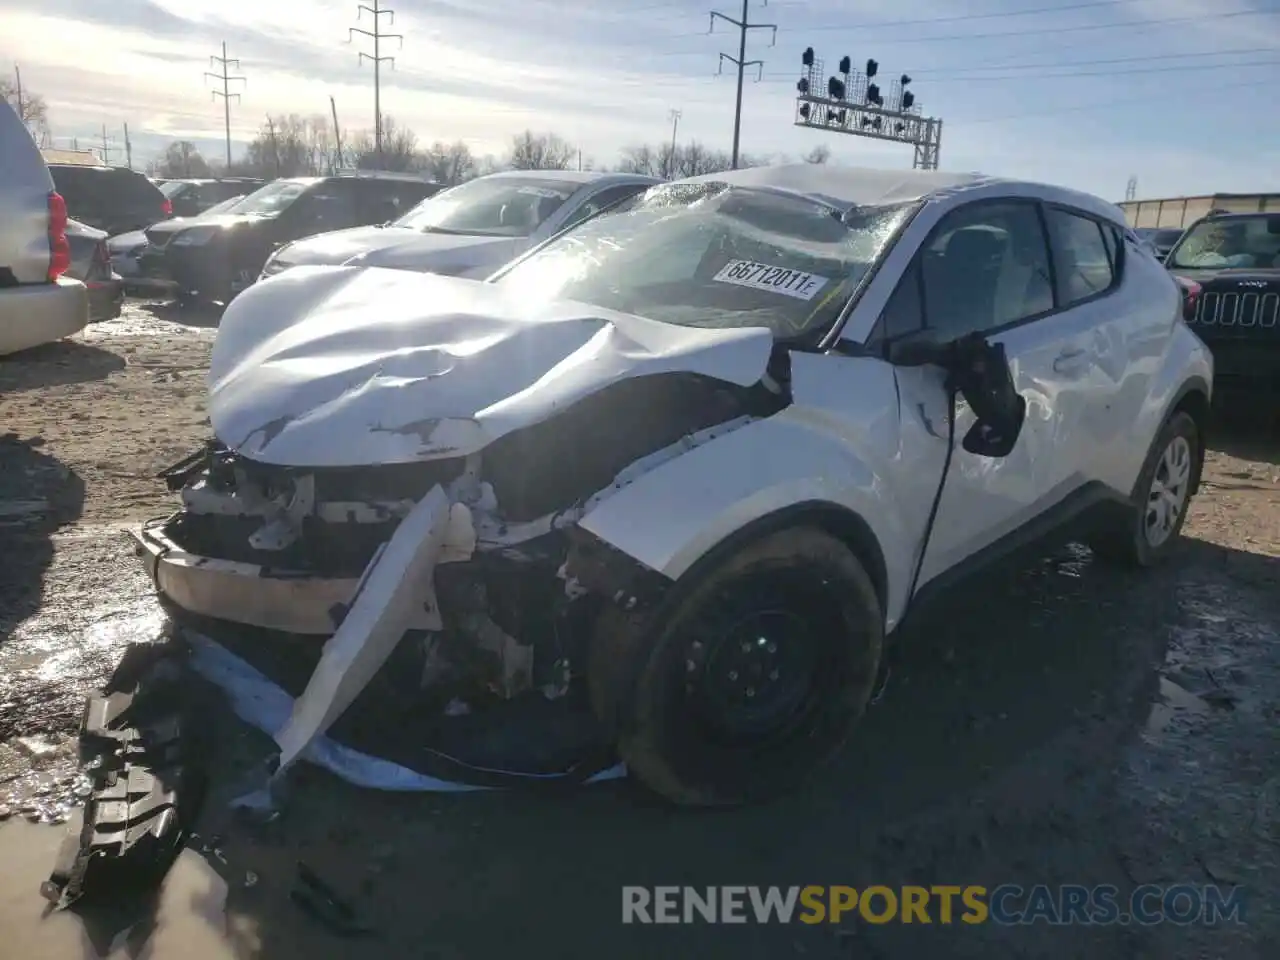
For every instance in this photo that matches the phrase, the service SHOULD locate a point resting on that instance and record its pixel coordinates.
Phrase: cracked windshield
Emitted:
(713, 479)
(713, 256)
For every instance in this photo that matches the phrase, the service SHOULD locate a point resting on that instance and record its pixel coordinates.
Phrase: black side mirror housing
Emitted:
(979, 371)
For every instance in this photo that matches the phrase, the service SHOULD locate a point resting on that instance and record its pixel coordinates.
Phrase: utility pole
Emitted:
(106, 146)
(377, 36)
(17, 74)
(128, 148)
(337, 135)
(742, 62)
(275, 150)
(225, 93)
(671, 157)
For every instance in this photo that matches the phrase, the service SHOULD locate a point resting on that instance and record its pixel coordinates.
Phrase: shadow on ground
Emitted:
(1248, 440)
(187, 314)
(56, 364)
(37, 496)
(1001, 753)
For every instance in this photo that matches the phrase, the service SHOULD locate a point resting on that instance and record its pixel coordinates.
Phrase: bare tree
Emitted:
(693, 159)
(182, 158)
(488, 164)
(449, 162)
(323, 150)
(543, 151)
(640, 159)
(33, 110)
(819, 154)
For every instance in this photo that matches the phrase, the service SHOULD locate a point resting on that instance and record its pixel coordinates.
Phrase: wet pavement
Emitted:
(1065, 723)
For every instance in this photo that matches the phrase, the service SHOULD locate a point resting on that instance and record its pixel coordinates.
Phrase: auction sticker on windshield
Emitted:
(761, 276)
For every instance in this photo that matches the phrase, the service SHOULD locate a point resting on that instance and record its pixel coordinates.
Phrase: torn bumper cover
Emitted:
(255, 595)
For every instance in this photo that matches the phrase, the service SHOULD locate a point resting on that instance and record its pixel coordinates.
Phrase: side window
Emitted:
(604, 198)
(328, 207)
(904, 313)
(1084, 261)
(986, 266)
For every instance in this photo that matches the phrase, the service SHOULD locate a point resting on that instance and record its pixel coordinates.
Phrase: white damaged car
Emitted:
(686, 468)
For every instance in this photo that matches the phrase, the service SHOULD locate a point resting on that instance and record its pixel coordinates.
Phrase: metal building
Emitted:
(1184, 211)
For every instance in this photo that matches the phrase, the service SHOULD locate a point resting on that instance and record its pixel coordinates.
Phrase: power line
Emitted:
(955, 72)
(1038, 31)
(378, 59)
(1176, 98)
(225, 93)
(744, 25)
(789, 79)
(1270, 62)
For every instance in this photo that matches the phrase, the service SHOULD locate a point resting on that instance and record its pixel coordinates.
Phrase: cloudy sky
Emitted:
(1179, 93)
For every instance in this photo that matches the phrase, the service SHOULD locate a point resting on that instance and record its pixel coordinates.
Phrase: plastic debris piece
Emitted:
(139, 768)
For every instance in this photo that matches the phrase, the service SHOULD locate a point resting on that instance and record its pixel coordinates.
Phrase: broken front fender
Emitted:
(670, 516)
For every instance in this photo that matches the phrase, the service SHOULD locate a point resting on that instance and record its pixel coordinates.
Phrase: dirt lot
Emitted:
(1063, 723)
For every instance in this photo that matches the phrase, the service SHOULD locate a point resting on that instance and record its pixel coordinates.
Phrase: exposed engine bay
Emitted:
(488, 587)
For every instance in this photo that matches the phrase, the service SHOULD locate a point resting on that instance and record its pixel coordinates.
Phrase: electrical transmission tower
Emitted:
(107, 146)
(1131, 189)
(378, 59)
(226, 63)
(742, 62)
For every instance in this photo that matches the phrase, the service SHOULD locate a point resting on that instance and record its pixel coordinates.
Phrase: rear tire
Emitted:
(748, 677)
(1161, 497)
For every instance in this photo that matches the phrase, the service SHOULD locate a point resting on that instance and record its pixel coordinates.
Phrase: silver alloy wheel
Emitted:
(1167, 497)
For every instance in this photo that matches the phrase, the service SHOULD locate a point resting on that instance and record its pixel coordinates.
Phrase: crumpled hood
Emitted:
(346, 366)
(444, 253)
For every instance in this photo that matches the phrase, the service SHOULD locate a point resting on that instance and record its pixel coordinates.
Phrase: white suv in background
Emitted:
(37, 303)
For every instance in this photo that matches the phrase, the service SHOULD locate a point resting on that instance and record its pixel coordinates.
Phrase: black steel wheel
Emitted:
(751, 675)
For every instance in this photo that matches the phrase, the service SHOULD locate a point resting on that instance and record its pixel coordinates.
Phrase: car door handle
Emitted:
(1070, 361)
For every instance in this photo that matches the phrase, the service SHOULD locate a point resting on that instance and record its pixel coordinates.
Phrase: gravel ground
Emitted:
(1058, 724)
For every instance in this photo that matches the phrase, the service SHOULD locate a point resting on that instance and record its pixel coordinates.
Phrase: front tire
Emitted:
(749, 677)
(1161, 498)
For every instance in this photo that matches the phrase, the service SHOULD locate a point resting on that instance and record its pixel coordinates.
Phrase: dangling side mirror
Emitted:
(980, 373)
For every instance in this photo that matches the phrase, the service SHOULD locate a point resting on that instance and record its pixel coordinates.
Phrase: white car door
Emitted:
(1128, 331)
(985, 268)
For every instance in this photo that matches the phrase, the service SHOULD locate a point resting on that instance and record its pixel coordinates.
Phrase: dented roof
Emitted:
(848, 186)
(868, 186)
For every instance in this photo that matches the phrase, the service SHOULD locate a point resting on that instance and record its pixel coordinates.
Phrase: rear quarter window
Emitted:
(132, 187)
(73, 183)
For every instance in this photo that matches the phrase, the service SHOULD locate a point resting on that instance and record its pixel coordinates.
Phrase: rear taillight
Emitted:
(1190, 298)
(166, 207)
(59, 246)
